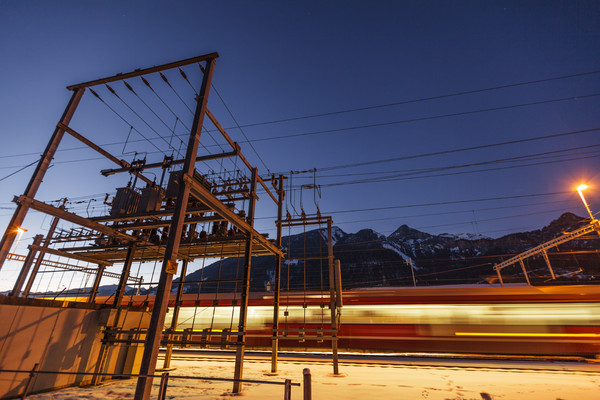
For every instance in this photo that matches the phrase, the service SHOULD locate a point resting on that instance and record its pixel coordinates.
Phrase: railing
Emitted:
(164, 379)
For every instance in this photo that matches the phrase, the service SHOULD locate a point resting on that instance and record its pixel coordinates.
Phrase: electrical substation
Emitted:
(180, 200)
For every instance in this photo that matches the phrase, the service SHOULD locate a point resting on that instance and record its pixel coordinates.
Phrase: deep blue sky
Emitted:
(283, 60)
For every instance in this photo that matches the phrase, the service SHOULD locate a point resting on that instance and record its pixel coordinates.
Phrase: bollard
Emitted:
(287, 390)
(162, 389)
(307, 384)
(31, 375)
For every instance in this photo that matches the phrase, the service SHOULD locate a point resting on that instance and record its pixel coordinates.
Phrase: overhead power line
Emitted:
(427, 118)
(446, 203)
(410, 175)
(461, 149)
(443, 96)
(19, 170)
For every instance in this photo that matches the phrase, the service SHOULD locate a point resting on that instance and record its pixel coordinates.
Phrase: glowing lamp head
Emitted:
(21, 230)
(581, 187)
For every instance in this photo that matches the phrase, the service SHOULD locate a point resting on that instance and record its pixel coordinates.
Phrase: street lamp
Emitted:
(579, 189)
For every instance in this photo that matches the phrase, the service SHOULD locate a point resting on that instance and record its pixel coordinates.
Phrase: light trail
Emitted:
(528, 334)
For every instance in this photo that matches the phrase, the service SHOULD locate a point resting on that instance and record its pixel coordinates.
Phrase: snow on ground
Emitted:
(359, 381)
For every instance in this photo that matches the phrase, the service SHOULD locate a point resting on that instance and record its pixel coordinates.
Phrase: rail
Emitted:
(164, 378)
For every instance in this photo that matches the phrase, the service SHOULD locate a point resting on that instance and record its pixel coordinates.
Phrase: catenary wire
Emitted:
(110, 89)
(422, 99)
(426, 118)
(124, 120)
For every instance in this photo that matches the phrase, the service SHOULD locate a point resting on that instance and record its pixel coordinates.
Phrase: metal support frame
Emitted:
(100, 150)
(524, 272)
(234, 145)
(26, 265)
(332, 302)
(547, 260)
(219, 205)
(40, 258)
(148, 366)
(338, 286)
(202, 194)
(593, 226)
(276, 297)
(103, 354)
(107, 172)
(65, 254)
(67, 216)
(335, 281)
(73, 267)
(140, 72)
(176, 308)
(124, 276)
(96, 285)
(37, 177)
(239, 354)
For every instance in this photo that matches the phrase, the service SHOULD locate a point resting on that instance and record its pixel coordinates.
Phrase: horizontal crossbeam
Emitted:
(145, 71)
(74, 218)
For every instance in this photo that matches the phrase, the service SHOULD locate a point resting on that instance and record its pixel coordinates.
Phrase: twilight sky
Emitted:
(380, 71)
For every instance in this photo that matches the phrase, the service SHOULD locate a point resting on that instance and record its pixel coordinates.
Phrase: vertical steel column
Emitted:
(275, 339)
(38, 262)
(26, 265)
(334, 344)
(548, 263)
(241, 347)
(169, 267)
(103, 354)
(411, 264)
(94, 291)
(38, 175)
(124, 277)
(499, 276)
(338, 286)
(525, 272)
(169, 351)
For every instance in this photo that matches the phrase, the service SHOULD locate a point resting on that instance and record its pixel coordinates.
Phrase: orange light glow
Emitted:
(581, 187)
(527, 334)
(20, 232)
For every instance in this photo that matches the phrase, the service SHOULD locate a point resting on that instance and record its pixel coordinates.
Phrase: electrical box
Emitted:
(126, 201)
(150, 200)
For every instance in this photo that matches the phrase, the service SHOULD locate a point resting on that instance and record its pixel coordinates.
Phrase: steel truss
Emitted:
(593, 226)
(130, 236)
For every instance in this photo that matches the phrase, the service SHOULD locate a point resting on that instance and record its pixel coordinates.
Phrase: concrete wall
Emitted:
(58, 337)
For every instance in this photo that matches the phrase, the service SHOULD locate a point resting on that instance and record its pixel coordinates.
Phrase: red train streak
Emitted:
(559, 320)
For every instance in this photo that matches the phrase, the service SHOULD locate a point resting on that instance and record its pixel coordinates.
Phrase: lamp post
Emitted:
(579, 189)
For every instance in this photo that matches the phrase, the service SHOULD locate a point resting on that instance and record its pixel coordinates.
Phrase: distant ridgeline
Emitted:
(369, 259)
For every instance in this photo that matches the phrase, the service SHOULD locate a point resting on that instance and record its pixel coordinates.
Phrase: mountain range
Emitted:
(370, 259)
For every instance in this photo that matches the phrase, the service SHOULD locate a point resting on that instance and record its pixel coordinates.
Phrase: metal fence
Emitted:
(164, 379)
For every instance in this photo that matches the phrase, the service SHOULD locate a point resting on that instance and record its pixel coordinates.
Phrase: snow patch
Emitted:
(463, 236)
(336, 234)
(395, 249)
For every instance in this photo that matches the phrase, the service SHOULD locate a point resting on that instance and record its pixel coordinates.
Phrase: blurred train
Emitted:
(520, 320)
